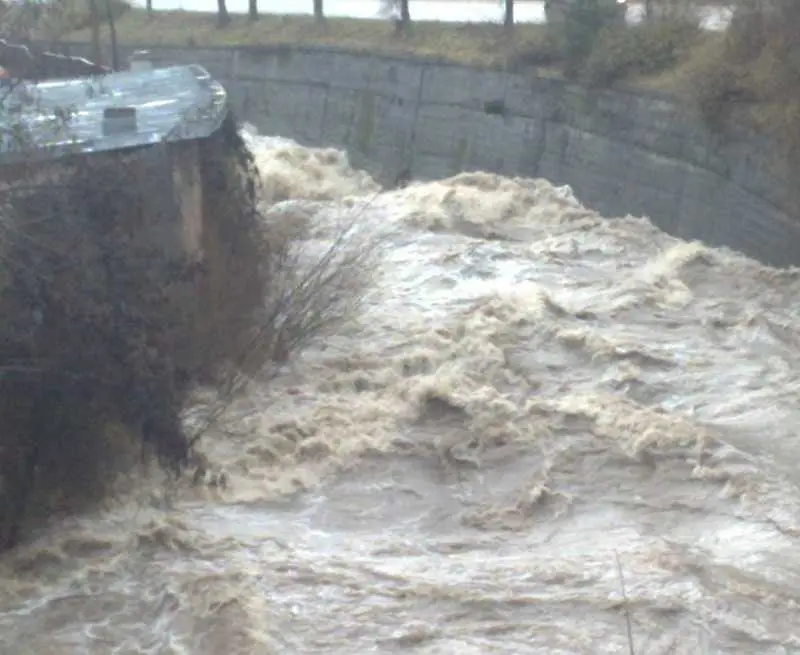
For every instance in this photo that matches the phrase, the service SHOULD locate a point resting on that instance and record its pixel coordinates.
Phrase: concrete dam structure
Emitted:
(623, 151)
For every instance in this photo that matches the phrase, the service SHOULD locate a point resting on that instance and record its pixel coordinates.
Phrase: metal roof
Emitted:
(111, 112)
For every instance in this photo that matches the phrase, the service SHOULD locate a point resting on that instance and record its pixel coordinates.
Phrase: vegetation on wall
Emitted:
(641, 50)
(99, 324)
(753, 68)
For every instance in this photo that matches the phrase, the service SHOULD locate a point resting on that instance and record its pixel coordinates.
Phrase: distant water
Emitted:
(451, 11)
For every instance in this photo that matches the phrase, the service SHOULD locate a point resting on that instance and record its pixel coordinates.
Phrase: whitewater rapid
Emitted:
(534, 406)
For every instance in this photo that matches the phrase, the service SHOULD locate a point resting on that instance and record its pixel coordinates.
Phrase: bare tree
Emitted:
(399, 12)
(252, 10)
(312, 293)
(405, 15)
(319, 12)
(223, 17)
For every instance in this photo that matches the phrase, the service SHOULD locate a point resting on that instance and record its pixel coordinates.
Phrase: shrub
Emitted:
(642, 49)
(318, 282)
(546, 49)
(579, 30)
(715, 85)
(755, 65)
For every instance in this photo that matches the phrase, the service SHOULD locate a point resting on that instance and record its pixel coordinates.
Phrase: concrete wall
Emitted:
(622, 151)
(188, 190)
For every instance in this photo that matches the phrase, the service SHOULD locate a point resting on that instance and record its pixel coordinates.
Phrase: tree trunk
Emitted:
(648, 10)
(149, 6)
(319, 11)
(112, 32)
(405, 15)
(509, 15)
(252, 10)
(223, 17)
(94, 19)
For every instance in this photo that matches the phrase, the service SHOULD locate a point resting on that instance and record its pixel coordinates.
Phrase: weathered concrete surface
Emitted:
(622, 151)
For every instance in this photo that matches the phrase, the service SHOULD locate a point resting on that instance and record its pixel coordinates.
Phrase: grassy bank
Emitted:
(640, 53)
(473, 44)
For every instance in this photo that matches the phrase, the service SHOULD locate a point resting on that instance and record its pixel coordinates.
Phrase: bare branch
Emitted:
(310, 295)
(628, 622)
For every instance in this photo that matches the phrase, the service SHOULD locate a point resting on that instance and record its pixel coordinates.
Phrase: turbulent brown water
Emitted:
(532, 395)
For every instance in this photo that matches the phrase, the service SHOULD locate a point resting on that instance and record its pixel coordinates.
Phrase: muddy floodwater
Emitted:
(535, 405)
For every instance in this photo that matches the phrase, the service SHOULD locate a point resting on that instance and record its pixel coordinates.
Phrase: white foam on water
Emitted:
(532, 398)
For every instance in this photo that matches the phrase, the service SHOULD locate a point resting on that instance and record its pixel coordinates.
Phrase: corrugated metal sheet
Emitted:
(62, 117)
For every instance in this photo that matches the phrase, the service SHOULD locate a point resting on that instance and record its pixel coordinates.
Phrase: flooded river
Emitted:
(542, 423)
